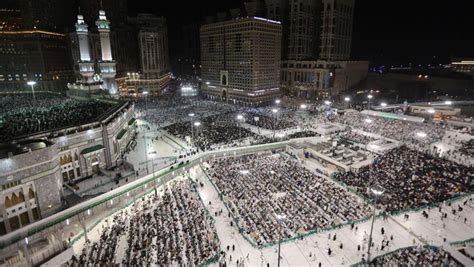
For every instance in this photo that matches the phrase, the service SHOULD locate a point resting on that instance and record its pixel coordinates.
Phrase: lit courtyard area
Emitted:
(238, 208)
(310, 184)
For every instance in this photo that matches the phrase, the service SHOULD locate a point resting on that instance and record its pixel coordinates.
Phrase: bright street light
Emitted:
(347, 99)
(277, 101)
(303, 106)
(197, 123)
(368, 120)
(145, 93)
(448, 102)
(280, 219)
(32, 84)
(274, 110)
(191, 114)
(431, 111)
(421, 134)
(370, 96)
(377, 192)
(383, 104)
(327, 102)
(240, 118)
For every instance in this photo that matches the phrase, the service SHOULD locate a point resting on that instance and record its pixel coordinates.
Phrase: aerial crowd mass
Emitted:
(173, 226)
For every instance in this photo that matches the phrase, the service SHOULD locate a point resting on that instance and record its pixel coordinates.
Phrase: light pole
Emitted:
(32, 84)
(303, 107)
(192, 127)
(280, 219)
(240, 118)
(275, 112)
(370, 98)
(196, 124)
(376, 193)
(347, 100)
(431, 112)
(27, 253)
(152, 156)
(146, 100)
(146, 153)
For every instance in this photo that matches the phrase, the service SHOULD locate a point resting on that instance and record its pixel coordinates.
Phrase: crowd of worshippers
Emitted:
(467, 148)
(265, 118)
(48, 115)
(213, 132)
(256, 188)
(163, 111)
(411, 179)
(12, 102)
(414, 134)
(302, 134)
(356, 137)
(416, 256)
(172, 229)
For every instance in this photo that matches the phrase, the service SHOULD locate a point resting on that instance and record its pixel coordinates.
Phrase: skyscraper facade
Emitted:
(241, 60)
(303, 35)
(153, 54)
(278, 10)
(336, 36)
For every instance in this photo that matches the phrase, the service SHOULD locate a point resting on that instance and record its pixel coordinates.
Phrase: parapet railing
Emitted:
(52, 224)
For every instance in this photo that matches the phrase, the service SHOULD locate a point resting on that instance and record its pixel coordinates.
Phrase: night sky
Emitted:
(385, 32)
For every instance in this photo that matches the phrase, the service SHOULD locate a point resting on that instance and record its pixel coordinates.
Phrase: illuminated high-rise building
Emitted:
(336, 35)
(241, 60)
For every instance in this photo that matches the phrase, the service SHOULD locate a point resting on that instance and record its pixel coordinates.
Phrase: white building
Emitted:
(33, 170)
(241, 60)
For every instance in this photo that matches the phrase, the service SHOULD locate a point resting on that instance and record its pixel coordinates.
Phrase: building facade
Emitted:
(336, 32)
(240, 60)
(278, 10)
(31, 185)
(304, 28)
(465, 66)
(321, 79)
(36, 55)
(33, 170)
(153, 53)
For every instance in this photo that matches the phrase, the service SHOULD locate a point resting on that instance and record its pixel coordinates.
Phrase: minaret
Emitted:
(106, 64)
(85, 65)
